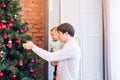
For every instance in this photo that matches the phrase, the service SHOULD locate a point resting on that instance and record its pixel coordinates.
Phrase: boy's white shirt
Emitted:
(68, 57)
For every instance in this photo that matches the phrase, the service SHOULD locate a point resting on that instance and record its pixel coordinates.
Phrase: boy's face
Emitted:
(54, 34)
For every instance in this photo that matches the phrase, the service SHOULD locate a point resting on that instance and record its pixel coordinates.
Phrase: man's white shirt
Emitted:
(68, 57)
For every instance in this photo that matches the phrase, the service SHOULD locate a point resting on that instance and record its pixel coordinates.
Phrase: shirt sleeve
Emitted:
(59, 55)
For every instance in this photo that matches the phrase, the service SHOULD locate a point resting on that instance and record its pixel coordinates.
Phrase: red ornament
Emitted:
(11, 20)
(9, 44)
(5, 36)
(20, 63)
(25, 28)
(12, 0)
(0, 15)
(16, 18)
(32, 60)
(14, 75)
(9, 25)
(31, 70)
(17, 41)
(28, 53)
(21, 30)
(3, 5)
(1, 53)
(0, 46)
(1, 74)
(2, 26)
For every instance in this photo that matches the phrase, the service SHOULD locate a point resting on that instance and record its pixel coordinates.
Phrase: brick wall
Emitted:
(33, 13)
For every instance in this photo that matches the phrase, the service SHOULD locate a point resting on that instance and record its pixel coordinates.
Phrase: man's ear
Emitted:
(66, 33)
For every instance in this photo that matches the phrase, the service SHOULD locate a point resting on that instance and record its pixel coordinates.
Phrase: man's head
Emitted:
(54, 33)
(65, 31)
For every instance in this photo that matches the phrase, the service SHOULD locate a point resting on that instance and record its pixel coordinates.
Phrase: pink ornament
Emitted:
(21, 30)
(21, 63)
(32, 60)
(1, 74)
(9, 44)
(0, 15)
(0, 46)
(11, 20)
(31, 70)
(9, 25)
(1, 53)
(2, 26)
(5, 36)
(25, 28)
(28, 53)
(17, 41)
(12, 0)
(15, 16)
(14, 75)
(3, 5)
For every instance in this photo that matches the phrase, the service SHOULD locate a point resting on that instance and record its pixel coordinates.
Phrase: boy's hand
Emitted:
(54, 63)
(28, 45)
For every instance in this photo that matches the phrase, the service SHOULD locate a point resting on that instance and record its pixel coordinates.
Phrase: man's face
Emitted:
(61, 36)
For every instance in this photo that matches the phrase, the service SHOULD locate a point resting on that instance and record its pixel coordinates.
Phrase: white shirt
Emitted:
(68, 57)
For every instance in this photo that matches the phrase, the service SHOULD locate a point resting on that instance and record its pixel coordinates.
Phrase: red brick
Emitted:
(33, 13)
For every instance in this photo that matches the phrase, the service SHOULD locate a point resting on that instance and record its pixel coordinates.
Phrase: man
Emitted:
(68, 56)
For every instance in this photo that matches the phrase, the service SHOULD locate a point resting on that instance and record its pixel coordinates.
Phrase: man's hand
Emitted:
(28, 45)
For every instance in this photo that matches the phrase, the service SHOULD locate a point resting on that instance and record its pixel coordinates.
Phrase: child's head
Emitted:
(54, 33)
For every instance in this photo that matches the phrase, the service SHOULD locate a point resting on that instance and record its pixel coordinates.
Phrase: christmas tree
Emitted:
(16, 63)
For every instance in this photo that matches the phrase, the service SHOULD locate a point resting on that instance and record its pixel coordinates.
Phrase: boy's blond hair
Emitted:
(53, 28)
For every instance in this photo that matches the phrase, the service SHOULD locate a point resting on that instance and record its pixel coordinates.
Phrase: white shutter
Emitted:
(86, 17)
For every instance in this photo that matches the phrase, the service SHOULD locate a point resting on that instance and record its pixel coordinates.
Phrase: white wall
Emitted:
(114, 31)
(53, 21)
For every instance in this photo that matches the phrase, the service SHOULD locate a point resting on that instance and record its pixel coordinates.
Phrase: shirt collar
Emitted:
(71, 40)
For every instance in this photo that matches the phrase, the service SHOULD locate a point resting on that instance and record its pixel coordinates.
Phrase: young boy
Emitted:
(54, 46)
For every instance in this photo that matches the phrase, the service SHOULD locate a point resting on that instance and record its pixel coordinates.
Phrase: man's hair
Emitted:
(66, 27)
